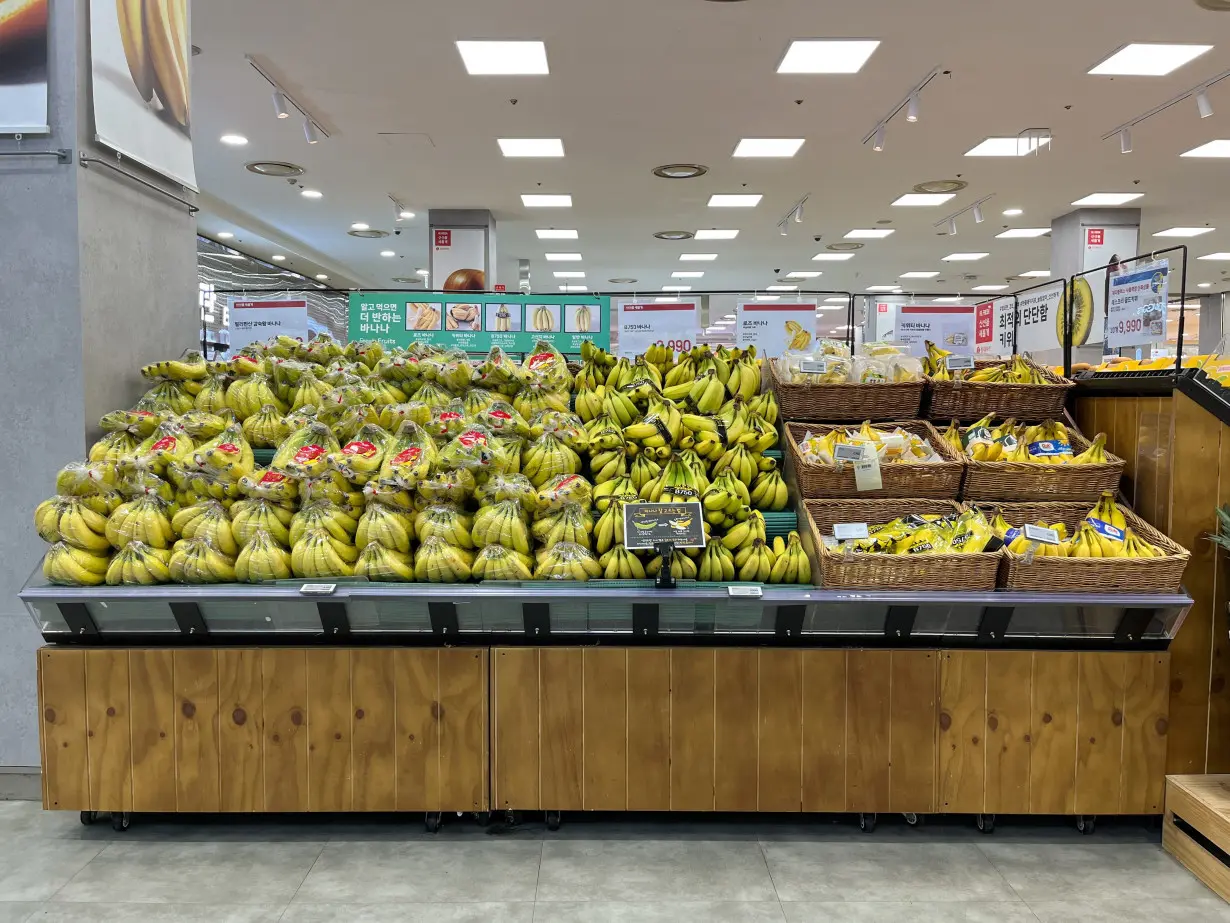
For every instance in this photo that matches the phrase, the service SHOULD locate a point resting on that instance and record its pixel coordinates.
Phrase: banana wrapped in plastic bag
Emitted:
(562, 490)
(318, 555)
(384, 565)
(545, 369)
(439, 562)
(361, 459)
(455, 486)
(198, 560)
(262, 560)
(577, 516)
(567, 561)
(496, 562)
(145, 520)
(324, 514)
(445, 521)
(504, 523)
(502, 418)
(501, 486)
(498, 372)
(304, 453)
(138, 564)
(68, 566)
(248, 517)
(384, 525)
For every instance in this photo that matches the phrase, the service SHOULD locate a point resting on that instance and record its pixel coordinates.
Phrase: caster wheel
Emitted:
(121, 822)
(1085, 825)
(914, 820)
(512, 818)
(482, 818)
(88, 817)
(867, 823)
(986, 823)
(431, 822)
(553, 820)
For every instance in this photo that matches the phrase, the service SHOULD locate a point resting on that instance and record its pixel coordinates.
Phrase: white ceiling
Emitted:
(641, 83)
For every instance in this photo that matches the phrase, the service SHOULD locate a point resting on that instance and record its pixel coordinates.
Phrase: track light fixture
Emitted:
(1125, 141)
(310, 132)
(878, 144)
(911, 112)
(1204, 107)
(977, 214)
(948, 224)
(910, 103)
(283, 102)
(798, 213)
(280, 109)
(784, 228)
(1202, 103)
(795, 214)
(952, 227)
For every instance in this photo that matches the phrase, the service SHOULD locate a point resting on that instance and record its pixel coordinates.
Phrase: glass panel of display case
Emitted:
(947, 620)
(1065, 621)
(47, 617)
(570, 615)
(133, 615)
(610, 615)
(230, 616)
(396, 613)
(744, 615)
(845, 618)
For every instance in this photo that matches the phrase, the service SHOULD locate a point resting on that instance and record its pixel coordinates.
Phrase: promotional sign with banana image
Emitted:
(23, 66)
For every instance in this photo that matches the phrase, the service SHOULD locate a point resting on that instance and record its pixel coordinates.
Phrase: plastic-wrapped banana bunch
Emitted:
(198, 560)
(68, 566)
(1046, 443)
(497, 562)
(896, 447)
(70, 520)
(445, 522)
(145, 520)
(409, 457)
(327, 515)
(503, 523)
(502, 486)
(567, 561)
(454, 487)
(207, 522)
(137, 564)
(383, 525)
(202, 426)
(250, 517)
(173, 394)
(968, 532)
(563, 490)
(439, 562)
(318, 555)
(474, 450)
(384, 565)
(362, 457)
(547, 458)
(269, 485)
(247, 395)
(573, 518)
(266, 428)
(262, 559)
(448, 421)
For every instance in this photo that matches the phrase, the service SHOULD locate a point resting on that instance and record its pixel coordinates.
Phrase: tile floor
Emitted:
(752, 870)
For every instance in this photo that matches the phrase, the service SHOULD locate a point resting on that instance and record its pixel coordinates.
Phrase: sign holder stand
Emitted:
(666, 580)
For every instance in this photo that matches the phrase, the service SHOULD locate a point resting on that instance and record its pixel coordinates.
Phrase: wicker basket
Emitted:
(1019, 481)
(1088, 575)
(846, 402)
(935, 481)
(972, 400)
(939, 572)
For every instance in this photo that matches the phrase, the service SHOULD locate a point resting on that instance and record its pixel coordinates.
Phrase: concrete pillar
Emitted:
(464, 239)
(97, 277)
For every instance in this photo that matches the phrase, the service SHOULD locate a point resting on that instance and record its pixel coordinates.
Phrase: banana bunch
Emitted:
(353, 419)
(584, 319)
(590, 377)
(681, 567)
(744, 380)
(228, 456)
(618, 563)
(679, 482)
(188, 367)
(662, 426)
(754, 563)
(800, 338)
(764, 405)
(408, 458)
(497, 562)
(446, 523)
(167, 443)
(144, 521)
(1095, 454)
(610, 465)
(448, 487)
(545, 521)
(791, 564)
(310, 392)
(262, 559)
(745, 533)
(68, 566)
(542, 320)
(326, 515)
(706, 393)
(571, 524)
(304, 453)
(70, 520)
(439, 562)
(266, 428)
(247, 395)
(209, 522)
(661, 356)
(362, 457)
(173, 395)
(547, 458)
(743, 463)
(501, 486)
(726, 501)
(504, 524)
(318, 555)
(642, 470)
(769, 491)
(561, 491)
(385, 526)
(567, 561)
(249, 517)
(616, 490)
(620, 407)
(113, 447)
(589, 402)
(1021, 545)
(137, 564)
(717, 564)
(609, 529)
(385, 565)
(199, 561)
(212, 396)
(603, 434)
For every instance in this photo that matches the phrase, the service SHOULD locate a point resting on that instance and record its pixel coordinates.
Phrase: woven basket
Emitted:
(846, 402)
(972, 400)
(1019, 481)
(939, 572)
(936, 480)
(1088, 575)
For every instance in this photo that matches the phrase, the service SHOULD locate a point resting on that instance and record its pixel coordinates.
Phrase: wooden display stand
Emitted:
(1196, 829)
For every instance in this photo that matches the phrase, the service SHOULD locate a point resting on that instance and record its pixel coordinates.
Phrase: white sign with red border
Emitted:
(253, 321)
(675, 324)
(951, 327)
(763, 324)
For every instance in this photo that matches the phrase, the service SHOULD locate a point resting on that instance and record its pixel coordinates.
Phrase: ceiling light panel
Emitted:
(1148, 59)
(768, 147)
(1109, 198)
(804, 274)
(563, 257)
(224, 235)
(741, 200)
(919, 274)
(836, 300)
(506, 58)
(234, 140)
(676, 288)
(1023, 232)
(1013, 212)
(538, 200)
(697, 257)
(781, 288)
(768, 297)
(964, 257)
(832, 257)
(869, 233)
(1184, 232)
(1219, 148)
(531, 147)
(922, 199)
(687, 275)
(881, 288)
(574, 288)
(387, 253)
(1036, 274)
(1223, 257)
(312, 194)
(827, 56)
(989, 288)
(716, 234)
(555, 234)
(570, 274)
(1008, 147)
(948, 299)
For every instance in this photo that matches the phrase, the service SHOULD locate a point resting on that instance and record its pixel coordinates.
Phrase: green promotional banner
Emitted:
(476, 323)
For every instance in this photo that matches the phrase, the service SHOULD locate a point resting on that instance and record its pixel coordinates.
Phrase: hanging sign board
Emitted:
(253, 321)
(993, 325)
(476, 323)
(459, 259)
(1041, 319)
(950, 328)
(642, 324)
(1099, 246)
(770, 326)
(646, 525)
(1137, 310)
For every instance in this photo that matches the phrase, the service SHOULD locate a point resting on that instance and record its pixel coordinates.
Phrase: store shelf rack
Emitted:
(297, 613)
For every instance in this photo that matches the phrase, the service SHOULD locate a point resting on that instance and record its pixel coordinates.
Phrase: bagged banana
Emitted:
(497, 562)
(474, 450)
(262, 559)
(195, 561)
(503, 523)
(304, 452)
(248, 517)
(173, 394)
(498, 372)
(327, 515)
(381, 564)
(269, 485)
(576, 515)
(138, 564)
(409, 457)
(318, 555)
(68, 566)
(361, 459)
(567, 561)
(545, 369)
(439, 562)
(386, 526)
(445, 522)
(547, 458)
(228, 455)
(266, 428)
(453, 487)
(71, 521)
(501, 486)
(145, 521)
(208, 522)
(563, 490)
(501, 417)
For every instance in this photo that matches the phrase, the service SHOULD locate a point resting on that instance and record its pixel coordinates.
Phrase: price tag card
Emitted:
(848, 453)
(749, 591)
(814, 366)
(1041, 535)
(646, 525)
(318, 589)
(953, 363)
(848, 531)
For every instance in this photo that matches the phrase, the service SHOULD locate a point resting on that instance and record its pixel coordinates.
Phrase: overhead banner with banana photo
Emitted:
(139, 55)
(773, 327)
(475, 323)
(23, 67)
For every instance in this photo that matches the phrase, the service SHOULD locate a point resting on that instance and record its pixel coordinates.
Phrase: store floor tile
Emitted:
(596, 869)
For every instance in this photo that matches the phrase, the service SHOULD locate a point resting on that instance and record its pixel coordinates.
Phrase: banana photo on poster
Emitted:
(139, 59)
(23, 66)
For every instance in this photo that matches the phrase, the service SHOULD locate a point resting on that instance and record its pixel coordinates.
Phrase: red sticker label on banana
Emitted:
(165, 444)
(308, 453)
(229, 448)
(407, 456)
(366, 449)
(272, 477)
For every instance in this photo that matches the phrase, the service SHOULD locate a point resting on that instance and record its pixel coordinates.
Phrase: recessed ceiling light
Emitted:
(768, 147)
(715, 234)
(1216, 256)
(369, 234)
(574, 288)
(836, 300)
(680, 170)
(360, 226)
(1024, 232)
(531, 147)
(570, 274)
(234, 140)
(387, 253)
(697, 257)
(321, 276)
(1147, 59)
(882, 288)
(844, 245)
(405, 214)
(224, 235)
(804, 274)
(781, 288)
(919, 274)
(277, 168)
(673, 235)
(989, 288)
(826, 56)
(1204, 285)
(948, 299)
(563, 257)
(1008, 147)
(742, 200)
(1220, 148)
(686, 275)
(1036, 274)
(623, 280)
(277, 258)
(869, 233)
(483, 58)
(676, 288)
(546, 201)
(940, 185)
(924, 198)
(1013, 212)
(768, 297)
(964, 257)
(1184, 232)
(311, 194)
(833, 257)
(1108, 198)
(555, 234)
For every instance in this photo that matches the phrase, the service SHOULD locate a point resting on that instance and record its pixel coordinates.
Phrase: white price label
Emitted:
(952, 363)
(318, 589)
(848, 453)
(867, 474)
(814, 366)
(847, 531)
(749, 591)
(1041, 535)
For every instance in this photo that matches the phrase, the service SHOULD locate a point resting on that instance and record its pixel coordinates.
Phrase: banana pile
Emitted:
(1046, 443)
(419, 464)
(898, 446)
(832, 363)
(965, 532)
(1015, 372)
(1104, 533)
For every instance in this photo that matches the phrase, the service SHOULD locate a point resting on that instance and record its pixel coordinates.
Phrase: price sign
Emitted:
(849, 531)
(1041, 535)
(953, 363)
(318, 589)
(848, 453)
(814, 366)
(1137, 310)
(772, 326)
(646, 525)
(641, 325)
